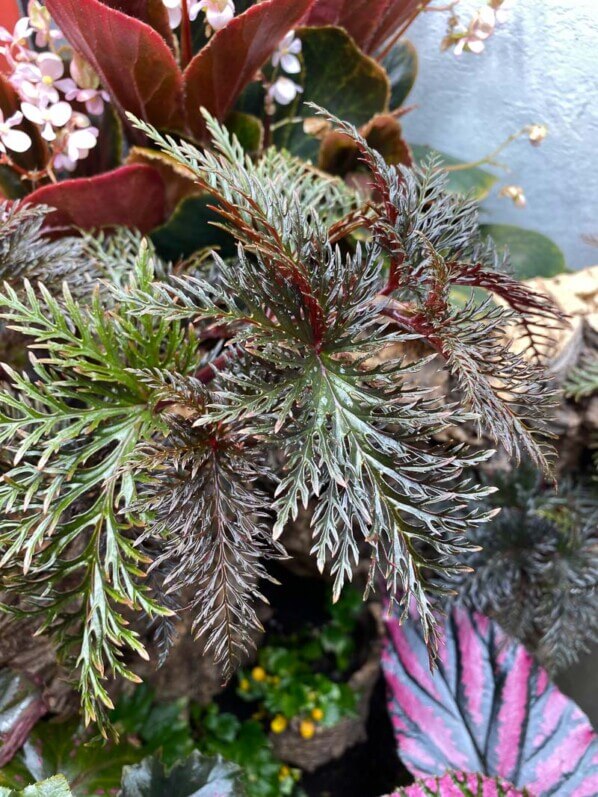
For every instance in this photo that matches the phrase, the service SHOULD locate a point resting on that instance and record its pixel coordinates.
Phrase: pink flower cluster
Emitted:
(472, 39)
(52, 101)
(218, 12)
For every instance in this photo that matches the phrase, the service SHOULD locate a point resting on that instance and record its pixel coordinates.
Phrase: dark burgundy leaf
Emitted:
(133, 61)
(340, 155)
(488, 708)
(370, 22)
(152, 12)
(132, 196)
(218, 74)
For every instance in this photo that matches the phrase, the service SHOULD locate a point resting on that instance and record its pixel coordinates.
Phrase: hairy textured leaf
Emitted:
(221, 70)
(461, 784)
(531, 253)
(339, 77)
(133, 61)
(488, 708)
(371, 23)
(53, 787)
(197, 776)
(133, 196)
(61, 749)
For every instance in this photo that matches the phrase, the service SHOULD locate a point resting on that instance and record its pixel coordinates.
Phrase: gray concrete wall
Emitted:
(542, 66)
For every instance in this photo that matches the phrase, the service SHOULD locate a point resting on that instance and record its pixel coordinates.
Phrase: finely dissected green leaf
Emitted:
(401, 65)
(531, 253)
(196, 776)
(338, 76)
(205, 505)
(583, 380)
(69, 429)
(473, 181)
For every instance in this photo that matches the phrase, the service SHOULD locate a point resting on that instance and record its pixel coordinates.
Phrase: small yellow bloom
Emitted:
(274, 680)
(259, 674)
(284, 772)
(244, 685)
(307, 729)
(278, 724)
(317, 714)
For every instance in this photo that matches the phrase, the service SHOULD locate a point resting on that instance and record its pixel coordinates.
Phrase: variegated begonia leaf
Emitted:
(488, 707)
(461, 784)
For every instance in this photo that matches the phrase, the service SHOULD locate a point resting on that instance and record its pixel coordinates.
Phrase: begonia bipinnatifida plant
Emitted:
(168, 428)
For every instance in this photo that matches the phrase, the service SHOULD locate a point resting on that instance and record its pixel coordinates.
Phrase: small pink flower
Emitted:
(15, 45)
(537, 134)
(174, 12)
(218, 12)
(85, 87)
(41, 24)
(39, 82)
(76, 145)
(49, 117)
(12, 139)
(286, 54)
(480, 28)
(283, 91)
(515, 194)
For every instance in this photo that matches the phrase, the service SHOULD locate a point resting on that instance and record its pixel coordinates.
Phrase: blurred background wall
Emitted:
(541, 66)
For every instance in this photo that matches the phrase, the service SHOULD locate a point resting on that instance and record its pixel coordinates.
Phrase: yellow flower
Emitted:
(259, 674)
(278, 724)
(317, 714)
(244, 685)
(307, 729)
(284, 772)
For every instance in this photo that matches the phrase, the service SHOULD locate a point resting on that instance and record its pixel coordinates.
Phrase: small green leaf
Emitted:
(401, 65)
(338, 77)
(532, 254)
(475, 181)
(197, 776)
(248, 129)
(11, 184)
(190, 229)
